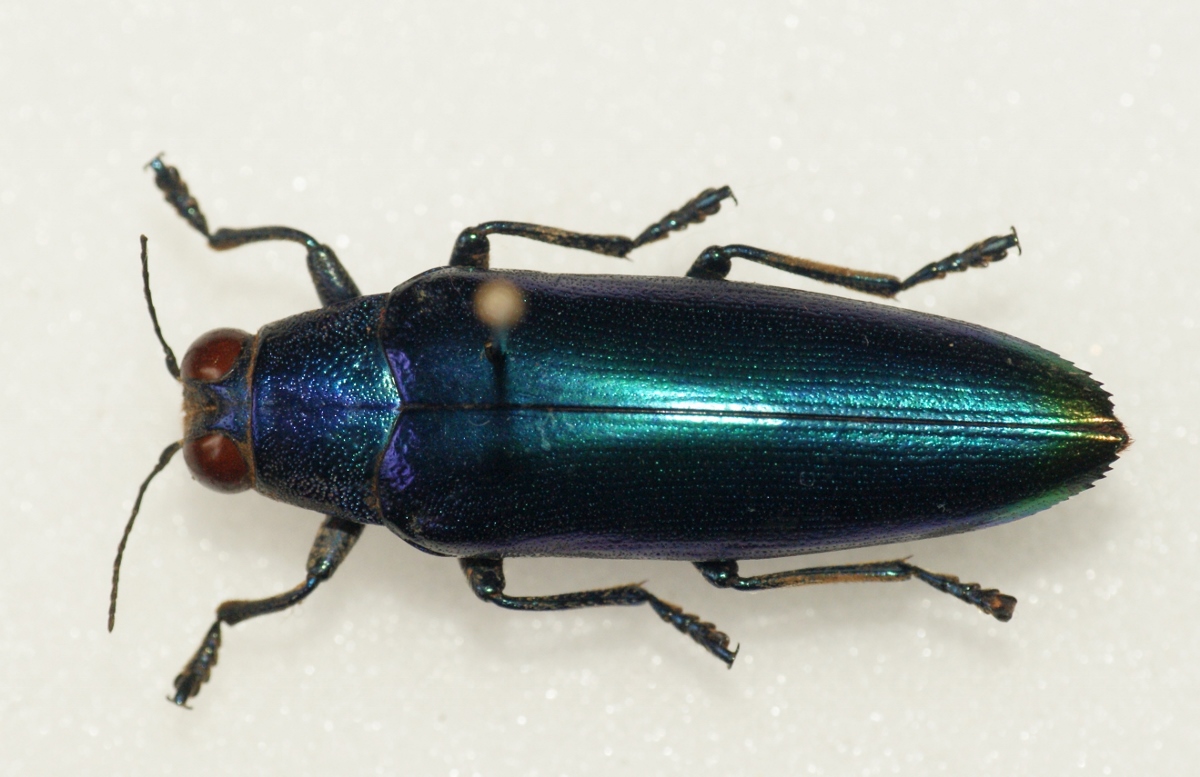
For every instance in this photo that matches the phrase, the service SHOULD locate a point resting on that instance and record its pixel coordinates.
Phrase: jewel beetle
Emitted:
(484, 414)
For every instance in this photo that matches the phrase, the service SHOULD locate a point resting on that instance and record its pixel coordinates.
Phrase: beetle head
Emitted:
(216, 388)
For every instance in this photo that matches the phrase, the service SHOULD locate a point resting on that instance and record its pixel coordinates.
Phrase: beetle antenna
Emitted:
(163, 460)
(172, 365)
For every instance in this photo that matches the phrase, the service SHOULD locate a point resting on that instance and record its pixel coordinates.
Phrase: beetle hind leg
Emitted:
(724, 574)
(486, 577)
(715, 262)
(332, 281)
(334, 541)
(472, 248)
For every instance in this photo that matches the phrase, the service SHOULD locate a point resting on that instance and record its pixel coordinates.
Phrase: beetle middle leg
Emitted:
(332, 281)
(334, 541)
(486, 577)
(715, 262)
(724, 574)
(472, 248)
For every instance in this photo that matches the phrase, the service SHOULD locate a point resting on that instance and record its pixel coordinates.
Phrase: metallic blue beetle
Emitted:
(483, 414)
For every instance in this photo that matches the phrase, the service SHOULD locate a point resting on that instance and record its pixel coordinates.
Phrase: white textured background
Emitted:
(855, 132)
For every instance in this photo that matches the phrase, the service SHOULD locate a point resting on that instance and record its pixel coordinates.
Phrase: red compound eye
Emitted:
(215, 461)
(212, 356)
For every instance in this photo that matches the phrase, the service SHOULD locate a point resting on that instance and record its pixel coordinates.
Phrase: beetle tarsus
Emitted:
(701, 631)
(981, 254)
(175, 190)
(694, 211)
(199, 668)
(999, 605)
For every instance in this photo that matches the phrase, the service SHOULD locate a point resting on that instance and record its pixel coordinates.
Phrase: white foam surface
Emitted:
(878, 135)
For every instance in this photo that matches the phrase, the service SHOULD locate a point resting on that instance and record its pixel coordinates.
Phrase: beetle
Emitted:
(484, 414)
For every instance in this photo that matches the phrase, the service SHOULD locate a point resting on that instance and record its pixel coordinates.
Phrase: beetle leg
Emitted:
(333, 543)
(472, 249)
(714, 264)
(724, 574)
(486, 577)
(330, 278)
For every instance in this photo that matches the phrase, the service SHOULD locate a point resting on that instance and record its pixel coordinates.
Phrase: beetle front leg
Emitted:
(724, 574)
(334, 541)
(472, 248)
(715, 262)
(486, 576)
(330, 278)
